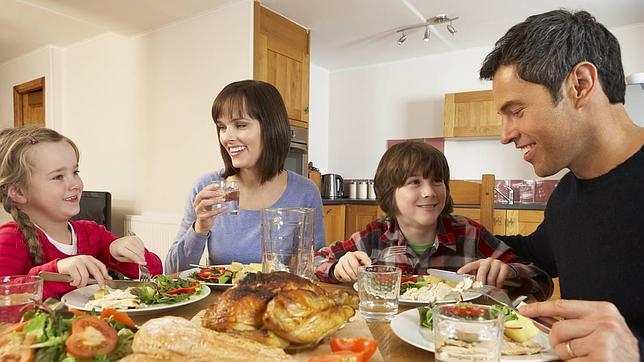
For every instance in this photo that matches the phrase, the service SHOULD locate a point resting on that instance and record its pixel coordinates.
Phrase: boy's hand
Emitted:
(128, 249)
(81, 268)
(490, 271)
(346, 269)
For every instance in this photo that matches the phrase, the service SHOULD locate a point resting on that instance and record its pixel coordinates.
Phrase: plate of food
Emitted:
(221, 276)
(423, 289)
(516, 345)
(169, 293)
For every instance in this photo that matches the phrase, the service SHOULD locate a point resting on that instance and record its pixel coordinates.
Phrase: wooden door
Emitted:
(29, 103)
(471, 114)
(282, 58)
(334, 219)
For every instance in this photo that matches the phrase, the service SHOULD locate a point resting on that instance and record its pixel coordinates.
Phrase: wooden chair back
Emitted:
(476, 194)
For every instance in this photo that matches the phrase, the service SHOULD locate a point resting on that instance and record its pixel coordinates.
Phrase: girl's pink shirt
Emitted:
(92, 239)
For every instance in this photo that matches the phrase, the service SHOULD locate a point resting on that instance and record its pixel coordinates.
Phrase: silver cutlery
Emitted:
(144, 273)
(394, 250)
(114, 284)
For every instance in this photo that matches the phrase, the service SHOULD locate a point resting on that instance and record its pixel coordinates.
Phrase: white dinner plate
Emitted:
(406, 301)
(78, 298)
(406, 326)
(186, 274)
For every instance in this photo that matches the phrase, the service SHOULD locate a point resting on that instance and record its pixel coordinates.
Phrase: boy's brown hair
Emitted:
(402, 161)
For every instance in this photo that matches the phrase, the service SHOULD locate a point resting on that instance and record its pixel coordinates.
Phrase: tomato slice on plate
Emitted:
(364, 346)
(410, 278)
(340, 356)
(91, 337)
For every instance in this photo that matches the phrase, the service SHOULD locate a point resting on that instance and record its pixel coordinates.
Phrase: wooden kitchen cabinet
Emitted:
(334, 220)
(282, 58)
(508, 221)
(358, 216)
(471, 114)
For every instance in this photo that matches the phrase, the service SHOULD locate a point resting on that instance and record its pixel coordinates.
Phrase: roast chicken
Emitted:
(278, 309)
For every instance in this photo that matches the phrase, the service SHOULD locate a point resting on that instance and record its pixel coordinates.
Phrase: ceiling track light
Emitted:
(402, 39)
(451, 28)
(427, 34)
(438, 19)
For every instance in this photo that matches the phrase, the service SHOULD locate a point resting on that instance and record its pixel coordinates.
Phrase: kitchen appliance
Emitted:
(297, 158)
(332, 186)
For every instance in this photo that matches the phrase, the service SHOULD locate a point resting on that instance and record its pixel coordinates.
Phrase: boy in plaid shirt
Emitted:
(412, 188)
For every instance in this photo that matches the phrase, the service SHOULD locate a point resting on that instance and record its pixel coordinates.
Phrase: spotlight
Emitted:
(426, 36)
(451, 28)
(402, 39)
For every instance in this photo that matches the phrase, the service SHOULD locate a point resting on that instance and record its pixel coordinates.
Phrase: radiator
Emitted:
(156, 231)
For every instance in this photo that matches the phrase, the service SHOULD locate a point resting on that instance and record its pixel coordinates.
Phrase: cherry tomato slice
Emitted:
(365, 346)
(120, 317)
(340, 356)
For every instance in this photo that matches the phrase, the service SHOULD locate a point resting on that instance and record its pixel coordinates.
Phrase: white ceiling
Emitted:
(344, 33)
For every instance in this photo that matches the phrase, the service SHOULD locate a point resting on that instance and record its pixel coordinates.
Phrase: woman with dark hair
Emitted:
(254, 139)
(412, 188)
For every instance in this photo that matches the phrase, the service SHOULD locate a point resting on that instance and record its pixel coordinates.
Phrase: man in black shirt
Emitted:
(558, 83)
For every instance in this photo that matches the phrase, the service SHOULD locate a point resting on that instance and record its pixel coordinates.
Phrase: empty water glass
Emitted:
(378, 289)
(287, 240)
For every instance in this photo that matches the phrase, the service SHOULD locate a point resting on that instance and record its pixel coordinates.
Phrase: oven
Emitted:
(297, 159)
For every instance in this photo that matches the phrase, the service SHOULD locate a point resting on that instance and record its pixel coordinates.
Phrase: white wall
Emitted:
(319, 118)
(633, 61)
(139, 107)
(404, 99)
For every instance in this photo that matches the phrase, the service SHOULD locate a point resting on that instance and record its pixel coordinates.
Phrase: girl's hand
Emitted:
(490, 271)
(346, 269)
(210, 195)
(81, 268)
(128, 249)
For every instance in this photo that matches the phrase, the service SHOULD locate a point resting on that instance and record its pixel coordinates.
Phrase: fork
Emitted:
(393, 251)
(144, 273)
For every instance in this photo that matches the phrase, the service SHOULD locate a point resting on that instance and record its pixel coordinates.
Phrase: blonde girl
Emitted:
(41, 188)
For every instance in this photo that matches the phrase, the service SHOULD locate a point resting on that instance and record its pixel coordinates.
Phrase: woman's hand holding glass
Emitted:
(346, 269)
(81, 268)
(205, 213)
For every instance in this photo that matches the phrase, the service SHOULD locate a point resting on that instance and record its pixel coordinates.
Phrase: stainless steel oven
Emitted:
(297, 159)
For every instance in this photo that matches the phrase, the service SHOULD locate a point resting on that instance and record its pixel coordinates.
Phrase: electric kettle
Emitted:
(332, 186)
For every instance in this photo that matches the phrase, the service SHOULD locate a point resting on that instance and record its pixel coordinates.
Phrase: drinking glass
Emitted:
(287, 240)
(18, 294)
(378, 289)
(466, 331)
(231, 188)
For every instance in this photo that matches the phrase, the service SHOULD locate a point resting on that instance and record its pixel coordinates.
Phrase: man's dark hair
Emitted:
(545, 47)
(261, 101)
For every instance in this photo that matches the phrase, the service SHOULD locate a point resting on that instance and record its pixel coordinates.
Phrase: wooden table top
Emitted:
(391, 347)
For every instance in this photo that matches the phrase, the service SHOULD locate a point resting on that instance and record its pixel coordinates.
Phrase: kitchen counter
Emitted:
(516, 206)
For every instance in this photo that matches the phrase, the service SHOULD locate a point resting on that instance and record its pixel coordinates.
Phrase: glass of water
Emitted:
(467, 332)
(18, 294)
(231, 188)
(378, 289)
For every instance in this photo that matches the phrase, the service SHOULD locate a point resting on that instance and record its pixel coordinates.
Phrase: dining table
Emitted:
(391, 347)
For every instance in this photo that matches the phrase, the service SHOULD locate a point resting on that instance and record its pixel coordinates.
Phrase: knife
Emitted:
(114, 284)
(448, 275)
(455, 277)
